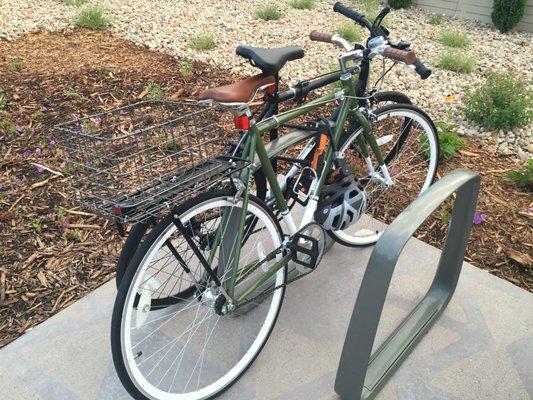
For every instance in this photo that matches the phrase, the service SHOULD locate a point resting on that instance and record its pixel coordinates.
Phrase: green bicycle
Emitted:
(201, 294)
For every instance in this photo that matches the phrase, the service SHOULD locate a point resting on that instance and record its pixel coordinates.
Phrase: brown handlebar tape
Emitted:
(407, 57)
(320, 36)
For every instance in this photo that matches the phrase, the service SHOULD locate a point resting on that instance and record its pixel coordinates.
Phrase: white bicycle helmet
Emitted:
(341, 204)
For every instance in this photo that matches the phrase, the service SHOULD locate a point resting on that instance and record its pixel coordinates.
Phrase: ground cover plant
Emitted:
(303, 4)
(504, 101)
(436, 20)
(454, 38)
(450, 142)
(92, 16)
(349, 31)
(202, 41)
(268, 12)
(456, 61)
(74, 2)
(522, 177)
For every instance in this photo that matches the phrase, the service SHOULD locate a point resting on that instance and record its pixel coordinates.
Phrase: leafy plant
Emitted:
(457, 62)
(522, 177)
(449, 141)
(61, 214)
(156, 91)
(268, 12)
(349, 31)
(75, 3)
(202, 41)
(37, 226)
(186, 67)
(370, 9)
(71, 91)
(92, 17)
(15, 65)
(504, 101)
(303, 4)
(74, 235)
(507, 13)
(436, 19)
(400, 3)
(454, 38)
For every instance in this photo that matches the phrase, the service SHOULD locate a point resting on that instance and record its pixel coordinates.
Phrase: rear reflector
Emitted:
(241, 122)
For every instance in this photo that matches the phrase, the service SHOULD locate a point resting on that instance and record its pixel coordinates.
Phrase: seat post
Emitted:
(274, 132)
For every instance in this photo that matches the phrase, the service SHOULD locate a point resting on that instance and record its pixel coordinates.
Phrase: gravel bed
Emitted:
(166, 25)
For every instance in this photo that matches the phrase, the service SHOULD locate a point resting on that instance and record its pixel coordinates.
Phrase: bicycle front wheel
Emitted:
(188, 350)
(409, 144)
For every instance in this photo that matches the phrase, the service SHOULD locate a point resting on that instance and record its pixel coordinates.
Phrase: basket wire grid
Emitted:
(131, 162)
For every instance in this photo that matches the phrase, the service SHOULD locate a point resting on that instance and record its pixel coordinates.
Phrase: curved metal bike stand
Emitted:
(360, 375)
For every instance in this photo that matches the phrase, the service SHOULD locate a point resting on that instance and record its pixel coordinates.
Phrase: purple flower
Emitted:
(122, 112)
(2, 186)
(52, 142)
(20, 129)
(39, 169)
(39, 152)
(529, 211)
(26, 153)
(44, 109)
(479, 218)
(96, 120)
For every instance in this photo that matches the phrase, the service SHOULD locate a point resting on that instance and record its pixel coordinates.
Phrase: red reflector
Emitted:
(117, 211)
(241, 122)
(270, 89)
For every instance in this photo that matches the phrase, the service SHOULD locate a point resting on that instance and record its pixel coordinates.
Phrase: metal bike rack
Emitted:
(361, 375)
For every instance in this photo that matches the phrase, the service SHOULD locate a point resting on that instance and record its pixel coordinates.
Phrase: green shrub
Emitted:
(457, 62)
(202, 41)
(523, 177)
(37, 226)
(15, 65)
(436, 20)
(75, 3)
(370, 8)
(156, 91)
(400, 3)
(269, 12)
(502, 102)
(186, 67)
(303, 4)
(507, 13)
(449, 141)
(454, 38)
(92, 17)
(349, 31)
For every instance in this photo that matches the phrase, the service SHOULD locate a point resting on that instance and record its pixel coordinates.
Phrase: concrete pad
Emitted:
(481, 348)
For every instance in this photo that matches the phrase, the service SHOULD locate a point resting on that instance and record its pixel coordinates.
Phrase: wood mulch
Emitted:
(53, 252)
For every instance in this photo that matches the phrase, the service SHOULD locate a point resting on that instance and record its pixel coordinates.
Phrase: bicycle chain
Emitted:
(267, 258)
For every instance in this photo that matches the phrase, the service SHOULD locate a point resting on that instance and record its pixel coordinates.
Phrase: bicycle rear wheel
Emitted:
(409, 143)
(187, 351)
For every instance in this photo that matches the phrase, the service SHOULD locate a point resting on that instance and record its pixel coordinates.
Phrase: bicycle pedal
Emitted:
(306, 248)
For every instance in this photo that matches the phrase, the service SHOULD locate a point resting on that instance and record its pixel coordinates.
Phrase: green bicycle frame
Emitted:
(255, 146)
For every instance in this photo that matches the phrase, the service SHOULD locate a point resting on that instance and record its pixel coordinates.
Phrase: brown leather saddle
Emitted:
(270, 61)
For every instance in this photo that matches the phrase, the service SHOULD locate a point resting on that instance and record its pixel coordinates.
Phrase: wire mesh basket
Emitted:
(131, 162)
